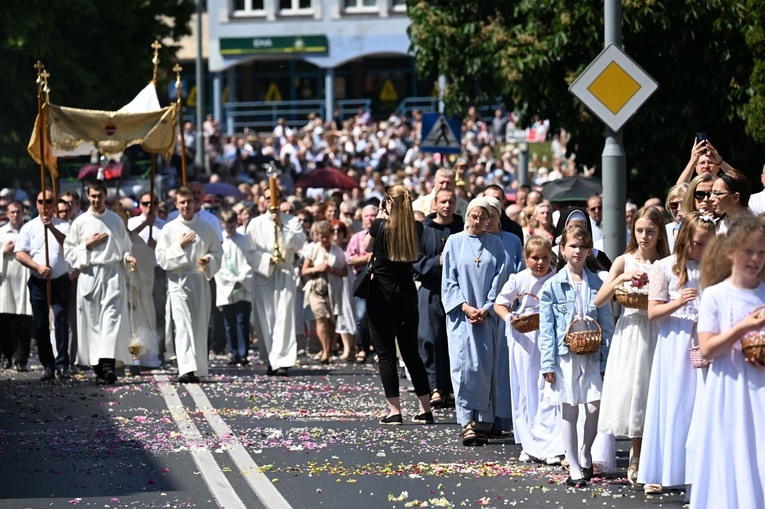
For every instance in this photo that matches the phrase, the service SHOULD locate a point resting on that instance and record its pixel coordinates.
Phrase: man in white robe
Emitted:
(15, 307)
(153, 279)
(97, 245)
(190, 252)
(275, 287)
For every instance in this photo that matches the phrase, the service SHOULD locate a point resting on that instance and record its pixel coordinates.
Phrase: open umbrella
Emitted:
(327, 178)
(223, 189)
(571, 189)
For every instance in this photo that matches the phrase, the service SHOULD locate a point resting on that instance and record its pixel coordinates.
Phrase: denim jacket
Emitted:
(556, 312)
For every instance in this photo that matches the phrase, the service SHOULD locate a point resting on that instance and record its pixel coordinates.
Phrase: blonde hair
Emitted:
(401, 239)
(674, 192)
(741, 231)
(537, 242)
(655, 216)
(691, 223)
(689, 205)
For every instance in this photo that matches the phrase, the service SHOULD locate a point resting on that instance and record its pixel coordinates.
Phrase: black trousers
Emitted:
(432, 339)
(60, 305)
(216, 331)
(16, 337)
(392, 314)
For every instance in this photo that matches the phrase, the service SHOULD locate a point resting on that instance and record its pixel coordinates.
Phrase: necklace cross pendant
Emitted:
(477, 262)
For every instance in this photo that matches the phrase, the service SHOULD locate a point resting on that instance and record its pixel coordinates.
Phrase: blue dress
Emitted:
(474, 267)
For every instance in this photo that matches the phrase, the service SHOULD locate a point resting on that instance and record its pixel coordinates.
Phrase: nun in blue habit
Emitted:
(473, 272)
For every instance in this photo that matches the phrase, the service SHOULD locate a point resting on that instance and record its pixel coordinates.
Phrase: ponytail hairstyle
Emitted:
(722, 247)
(401, 239)
(691, 223)
(655, 216)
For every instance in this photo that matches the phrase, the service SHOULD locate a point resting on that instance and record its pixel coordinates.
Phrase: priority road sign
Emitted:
(613, 87)
(441, 134)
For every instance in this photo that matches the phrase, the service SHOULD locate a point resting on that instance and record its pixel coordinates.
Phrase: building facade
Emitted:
(308, 56)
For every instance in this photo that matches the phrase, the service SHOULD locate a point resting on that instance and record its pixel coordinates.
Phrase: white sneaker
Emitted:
(524, 457)
(554, 460)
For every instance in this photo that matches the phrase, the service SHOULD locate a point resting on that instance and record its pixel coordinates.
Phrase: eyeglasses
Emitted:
(701, 195)
(147, 203)
(596, 207)
(47, 202)
(674, 205)
(719, 193)
(303, 220)
(336, 230)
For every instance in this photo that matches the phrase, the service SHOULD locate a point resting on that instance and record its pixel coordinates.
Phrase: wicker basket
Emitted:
(753, 345)
(525, 323)
(632, 300)
(694, 352)
(584, 342)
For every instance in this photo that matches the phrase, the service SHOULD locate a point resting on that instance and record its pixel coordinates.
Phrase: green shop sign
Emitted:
(265, 45)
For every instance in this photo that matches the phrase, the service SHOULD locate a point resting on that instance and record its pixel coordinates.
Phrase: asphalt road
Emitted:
(242, 439)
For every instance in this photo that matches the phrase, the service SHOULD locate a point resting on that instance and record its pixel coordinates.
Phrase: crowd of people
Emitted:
(496, 301)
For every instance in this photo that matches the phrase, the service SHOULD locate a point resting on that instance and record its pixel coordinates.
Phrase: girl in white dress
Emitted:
(625, 386)
(574, 380)
(729, 467)
(672, 300)
(536, 424)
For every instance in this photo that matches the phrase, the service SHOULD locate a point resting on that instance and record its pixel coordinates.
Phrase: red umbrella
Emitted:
(328, 178)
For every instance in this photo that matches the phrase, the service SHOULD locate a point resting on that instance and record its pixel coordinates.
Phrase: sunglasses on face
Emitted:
(674, 205)
(47, 202)
(701, 195)
(147, 203)
(596, 207)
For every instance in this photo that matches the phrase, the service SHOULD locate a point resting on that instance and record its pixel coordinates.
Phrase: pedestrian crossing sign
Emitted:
(441, 134)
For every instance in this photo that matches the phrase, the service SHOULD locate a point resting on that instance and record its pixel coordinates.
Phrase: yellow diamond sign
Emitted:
(613, 87)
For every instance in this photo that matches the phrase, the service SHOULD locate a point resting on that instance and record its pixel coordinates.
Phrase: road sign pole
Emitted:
(613, 159)
(523, 163)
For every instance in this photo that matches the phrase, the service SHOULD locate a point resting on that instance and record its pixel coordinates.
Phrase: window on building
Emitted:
(351, 5)
(295, 6)
(399, 5)
(247, 6)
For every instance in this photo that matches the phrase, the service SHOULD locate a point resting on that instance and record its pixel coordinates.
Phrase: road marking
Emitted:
(250, 470)
(221, 489)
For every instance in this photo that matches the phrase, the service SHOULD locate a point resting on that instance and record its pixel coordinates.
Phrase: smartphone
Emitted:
(701, 137)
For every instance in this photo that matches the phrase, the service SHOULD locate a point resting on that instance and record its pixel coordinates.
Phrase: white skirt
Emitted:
(577, 380)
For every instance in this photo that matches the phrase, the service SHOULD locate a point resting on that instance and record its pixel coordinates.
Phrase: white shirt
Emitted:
(31, 240)
(757, 203)
(135, 222)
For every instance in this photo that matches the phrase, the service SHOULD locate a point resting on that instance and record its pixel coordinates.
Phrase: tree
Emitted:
(706, 56)
(98, 55)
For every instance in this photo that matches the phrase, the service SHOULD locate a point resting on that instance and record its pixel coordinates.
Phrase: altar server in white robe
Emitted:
(97, 245)
(15, 307)
(190, 252)
(275, 287)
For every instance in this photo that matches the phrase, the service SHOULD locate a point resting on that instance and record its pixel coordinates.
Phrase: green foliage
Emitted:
(98, 54)
(708, 57)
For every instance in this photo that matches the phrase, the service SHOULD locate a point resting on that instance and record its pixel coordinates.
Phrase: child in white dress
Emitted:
(625, 386)
(672, 300)
(729, 466)
(536, 424)
(572, 379)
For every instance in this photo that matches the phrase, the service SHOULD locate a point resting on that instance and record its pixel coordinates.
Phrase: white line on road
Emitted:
(250, 470)
(221, 489)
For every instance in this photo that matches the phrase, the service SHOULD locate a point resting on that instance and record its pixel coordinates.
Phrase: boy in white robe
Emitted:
(275, 287)
(190, 252)
(234, 292)
(97, 245)
(15, 307)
